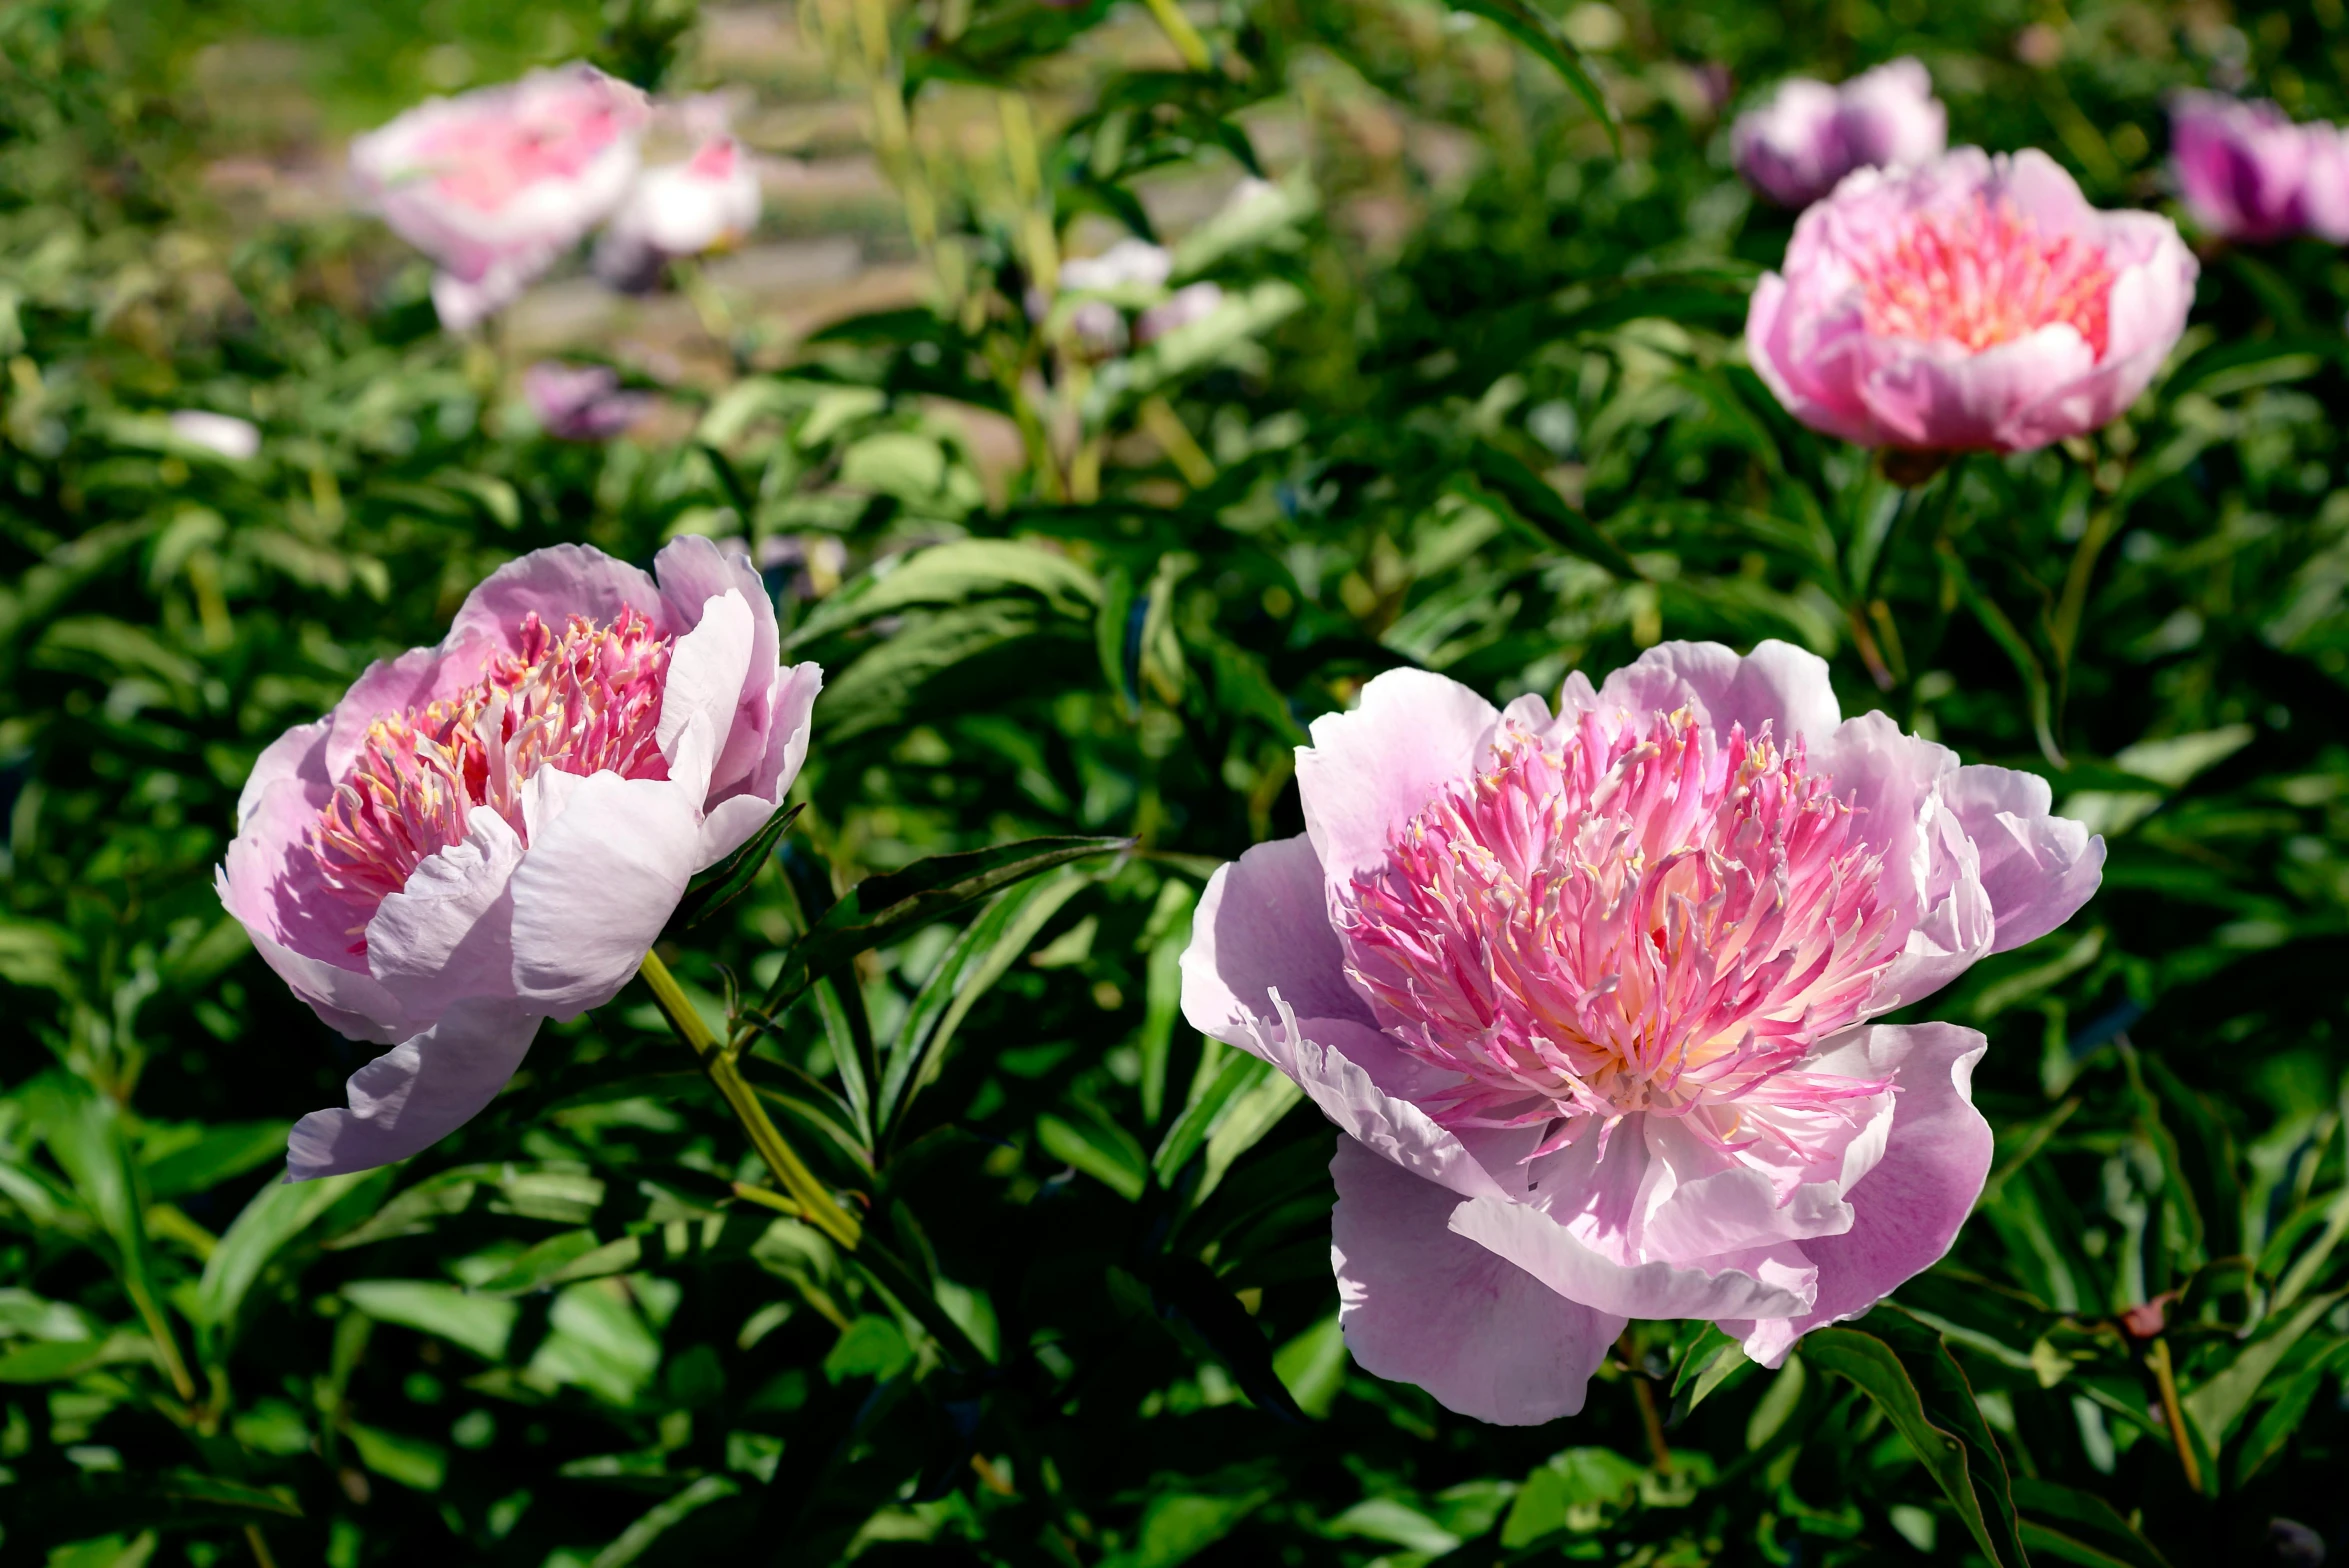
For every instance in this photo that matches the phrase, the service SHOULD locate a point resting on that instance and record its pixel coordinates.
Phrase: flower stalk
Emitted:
(817, 1206)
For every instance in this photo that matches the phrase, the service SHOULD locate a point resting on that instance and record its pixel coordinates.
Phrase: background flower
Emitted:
(494, 184)
(1976, 302)
(2242, 168)
(1808, 135)
(1590, 996)
(492, 831)
(580, 402)
(680, 209)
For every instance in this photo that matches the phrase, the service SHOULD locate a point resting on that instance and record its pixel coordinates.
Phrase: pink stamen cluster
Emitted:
(583, 702)
(1983, 276)
(1624, 918)
(486, 160)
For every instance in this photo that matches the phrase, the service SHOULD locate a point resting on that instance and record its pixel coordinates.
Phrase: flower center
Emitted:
(1625, 917)
(586, 701)
(1982, 277)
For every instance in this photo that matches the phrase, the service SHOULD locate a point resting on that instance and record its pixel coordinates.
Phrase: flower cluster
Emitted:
(1794, 148)
(496, 185)
(1590, 996)
(2247, 172)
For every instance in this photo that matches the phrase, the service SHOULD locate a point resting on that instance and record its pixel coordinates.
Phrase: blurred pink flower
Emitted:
(225, 434)
(580, 402)
(2246, 172)
(493, 831)
(1809, 135)
(495, 184)
(1190, 303)
(680, 209)
(1590, 998)
(1971, 303)
(1130, 263)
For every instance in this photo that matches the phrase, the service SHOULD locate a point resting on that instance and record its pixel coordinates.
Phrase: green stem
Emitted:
(1180, 33)
(820, 1208)
(2173, 1413)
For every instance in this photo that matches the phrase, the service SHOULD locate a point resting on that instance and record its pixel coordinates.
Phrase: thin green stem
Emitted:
(819, 1207)
(2174, 1413)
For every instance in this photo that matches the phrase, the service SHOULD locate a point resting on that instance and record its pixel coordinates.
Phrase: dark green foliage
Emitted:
(1492, 421)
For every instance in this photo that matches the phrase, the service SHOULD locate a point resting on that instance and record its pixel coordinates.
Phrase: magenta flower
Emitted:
(708, 201)
(2246, 172)
(1794, 148)
(1973, 303)
(580, 402)
(493, 185)
(1590, 996)
(493, 831)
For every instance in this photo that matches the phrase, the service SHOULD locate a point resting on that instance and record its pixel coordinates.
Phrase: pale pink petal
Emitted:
(557, 583)
(693, 571)
(1313, 1052)
(1778, 685)
(416, 1093)
(1769, 1282)
(609, 858)
(707, 669)
(1941, 396)
(448, 934)
(1421, 1305)
(1908, 1209)
(2037, 869)
(1263, 925)
(732, 821)
(1370, 771)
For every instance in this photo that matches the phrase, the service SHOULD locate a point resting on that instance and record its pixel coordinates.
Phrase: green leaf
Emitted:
(1527, 497)
(411, 1461)
(56, 1361)
(2281, 1421)
(656, 1521)
(276, 1215)
(224, 1151)
(558, 1194)
(1239, 1073)
(980, 956)
(1712, 1359)
(1254, 1112)
(1313, 1366)
(1538, 32)
(714, 889)
(2062, 1521)
(558, 1260)
(2216, 1407)
(965, 647)
(1904, 1367)
(955, 573)
(1100, 1148)
(880, 909)
(1201, 1308)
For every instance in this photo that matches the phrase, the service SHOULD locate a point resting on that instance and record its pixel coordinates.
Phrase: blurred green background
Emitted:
(1476, 401)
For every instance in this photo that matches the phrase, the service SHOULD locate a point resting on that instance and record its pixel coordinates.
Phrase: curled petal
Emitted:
(1422, 1305)
(416, 1093)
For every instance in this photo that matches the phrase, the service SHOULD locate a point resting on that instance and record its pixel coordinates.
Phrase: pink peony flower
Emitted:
(580, 402)
(493, 831)
(1971, 303)
(493, 185)
(1809, 135)
(680, 209)
(1590, 997)
(2242, 168)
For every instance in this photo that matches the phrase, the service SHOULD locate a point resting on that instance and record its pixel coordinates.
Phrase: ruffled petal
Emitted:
(2037, 868)
(1907, 1210)
(416, 1093)
(1768, 1282)
(1263, 925)
(449, 933)
(693, 571)
(1370, 771)
(557, 582)
(1777, 684)
(1421, 1305)
(609, 858)
(707, 667)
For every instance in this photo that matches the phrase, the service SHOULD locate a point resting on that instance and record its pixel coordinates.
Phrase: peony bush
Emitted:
(1162, 785)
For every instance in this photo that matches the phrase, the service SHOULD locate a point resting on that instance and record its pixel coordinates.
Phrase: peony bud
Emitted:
(580, 402)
